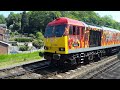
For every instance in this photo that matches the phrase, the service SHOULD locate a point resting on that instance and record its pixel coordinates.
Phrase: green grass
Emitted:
(9, 60)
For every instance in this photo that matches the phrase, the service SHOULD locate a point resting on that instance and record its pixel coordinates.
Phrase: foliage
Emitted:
(32, 22)
(2, 19)
(32, 36)
(23, 48)
(16, 33)
(38, 43)
(24, 23)
(39, 36)
(23, 39)
(14, 20)
(12, 34)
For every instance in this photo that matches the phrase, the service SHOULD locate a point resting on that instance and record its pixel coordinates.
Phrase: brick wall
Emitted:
(3, 48)
(2, 31)
(4, 34)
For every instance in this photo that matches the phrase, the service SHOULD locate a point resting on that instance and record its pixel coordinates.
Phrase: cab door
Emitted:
(74, 37)
(82, 41)
(95, 38)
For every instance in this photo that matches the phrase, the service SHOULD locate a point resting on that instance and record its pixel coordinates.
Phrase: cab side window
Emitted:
(74, 30)
(78, 30)
(71, 30)
(82, 31)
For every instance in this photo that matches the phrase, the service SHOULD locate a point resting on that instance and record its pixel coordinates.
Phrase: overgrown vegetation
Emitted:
(6, 60)
(38, 43)
(32, 22)
(24, 48)
(23, 39)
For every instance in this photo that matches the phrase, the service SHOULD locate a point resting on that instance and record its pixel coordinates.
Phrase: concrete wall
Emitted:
(1, 37)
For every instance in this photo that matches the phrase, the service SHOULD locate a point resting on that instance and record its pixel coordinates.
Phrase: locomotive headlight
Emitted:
(61, 49)
(46, 48)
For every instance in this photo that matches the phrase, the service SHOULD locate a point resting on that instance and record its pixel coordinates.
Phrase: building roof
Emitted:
(5, 43)
(3, 25)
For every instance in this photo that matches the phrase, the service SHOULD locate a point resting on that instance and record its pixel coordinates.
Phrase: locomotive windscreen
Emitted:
(54, 31)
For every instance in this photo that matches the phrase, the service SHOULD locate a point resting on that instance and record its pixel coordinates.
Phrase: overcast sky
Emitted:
(114, 14)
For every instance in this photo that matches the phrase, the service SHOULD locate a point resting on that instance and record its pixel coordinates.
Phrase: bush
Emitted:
(12, 34)
(32, 35)
(16, 33)
(23, 39)
(39, 36)
(38, 43)
(23, 48)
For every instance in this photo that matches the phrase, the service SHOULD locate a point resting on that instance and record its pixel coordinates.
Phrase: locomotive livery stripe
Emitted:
(91, 48)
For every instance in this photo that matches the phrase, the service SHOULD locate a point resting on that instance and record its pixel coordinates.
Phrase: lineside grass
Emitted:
(12, 59)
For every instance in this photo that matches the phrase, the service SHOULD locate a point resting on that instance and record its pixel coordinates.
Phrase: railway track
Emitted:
(107, 67)
(87, 71)
(110, 72)
(23, 69)
(42, 70)
(99, 69)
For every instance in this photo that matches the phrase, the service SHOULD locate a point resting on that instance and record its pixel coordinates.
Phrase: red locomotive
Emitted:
(73, 41)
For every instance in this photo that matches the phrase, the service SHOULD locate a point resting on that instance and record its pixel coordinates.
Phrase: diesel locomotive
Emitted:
(71, 41)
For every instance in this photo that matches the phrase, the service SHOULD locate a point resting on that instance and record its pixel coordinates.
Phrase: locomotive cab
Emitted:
(55, 39)
(60, 36)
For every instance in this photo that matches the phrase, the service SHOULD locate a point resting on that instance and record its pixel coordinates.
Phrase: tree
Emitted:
(36, 21)
(14, 20)
(38, 43)
(2, 19)
(10, 19)
(39, 36)
(16, 26)
(24, 23)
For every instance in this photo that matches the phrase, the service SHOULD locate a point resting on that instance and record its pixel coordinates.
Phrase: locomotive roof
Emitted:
(110, 29)
(94, 27)
(65, 20)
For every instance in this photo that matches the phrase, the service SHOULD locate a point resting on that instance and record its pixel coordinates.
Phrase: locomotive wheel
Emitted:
(100, 55)
(72, 62)
(96, 58)
(78, 61)
(86, 61)
(90, 58)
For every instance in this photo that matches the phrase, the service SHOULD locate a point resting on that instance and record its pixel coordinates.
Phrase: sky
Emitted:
(6, 13)
(115, 14)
